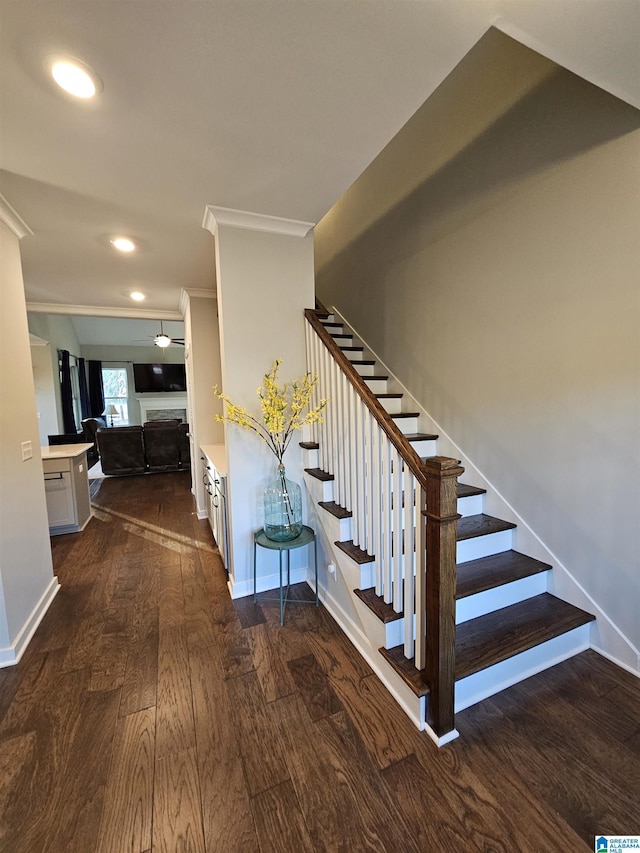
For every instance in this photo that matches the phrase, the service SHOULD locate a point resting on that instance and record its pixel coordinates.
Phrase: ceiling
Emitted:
(270, 106)
(106, 331)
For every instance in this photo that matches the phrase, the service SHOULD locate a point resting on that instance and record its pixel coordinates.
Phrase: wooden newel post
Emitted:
(442, 515)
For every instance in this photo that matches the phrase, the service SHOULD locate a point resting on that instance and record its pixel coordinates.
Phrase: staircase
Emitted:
(507, 625)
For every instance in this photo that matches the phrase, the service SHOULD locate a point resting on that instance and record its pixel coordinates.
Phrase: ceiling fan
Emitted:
(163, 340)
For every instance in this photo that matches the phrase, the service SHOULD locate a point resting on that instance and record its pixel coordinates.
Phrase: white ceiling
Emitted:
(271, 106)
(107, 331)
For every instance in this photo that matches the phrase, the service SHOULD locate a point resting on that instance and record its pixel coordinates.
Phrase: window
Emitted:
(114, 380)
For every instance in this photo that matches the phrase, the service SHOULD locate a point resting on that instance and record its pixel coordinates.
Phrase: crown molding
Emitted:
(13, 220)
(187, 293)
(98, 311)
(216, 216)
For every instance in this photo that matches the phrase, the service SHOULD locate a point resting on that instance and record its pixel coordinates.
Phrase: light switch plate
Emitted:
(27, 450)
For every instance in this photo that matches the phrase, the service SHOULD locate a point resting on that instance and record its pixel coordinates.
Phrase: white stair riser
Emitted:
(493, 599)
(490, 681)
(354, 355)
(406, 425)
(342, 340)
(333, 330)
(425, 447)
(377, 386)
(483, 546)
(310, 459)
(471, 505)
(319, 490)
(362, 369)
(391, 405)
(337, 529)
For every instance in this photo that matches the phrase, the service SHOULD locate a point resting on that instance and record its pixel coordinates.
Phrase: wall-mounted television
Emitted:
(159, 377)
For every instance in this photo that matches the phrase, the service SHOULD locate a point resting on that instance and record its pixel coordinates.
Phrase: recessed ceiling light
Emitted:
(75, 77)
(123, 244)
(137, 296)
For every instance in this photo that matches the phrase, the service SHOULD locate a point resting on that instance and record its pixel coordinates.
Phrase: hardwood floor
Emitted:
(152, 713)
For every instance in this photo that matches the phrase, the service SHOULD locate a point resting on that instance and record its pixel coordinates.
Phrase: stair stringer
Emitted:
(355, 619)
(604, 635)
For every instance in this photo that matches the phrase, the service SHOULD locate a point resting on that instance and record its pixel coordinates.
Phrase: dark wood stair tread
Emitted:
(362, 361)
(388, 396)
(335, 509)
(495, 570)
(339, 335)
(328, 325)
(491, 639)
(357, 554)
(497, 636)
(421, 436)
(465, 491)
(472, 526)
(352, 349)
(404, 415)
(472, 577)
(309, 445)
(374, 376)
(319, 474)
(378, 605)
(406, 669)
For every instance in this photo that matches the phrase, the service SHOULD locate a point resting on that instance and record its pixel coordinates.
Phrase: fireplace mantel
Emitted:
(150, 404)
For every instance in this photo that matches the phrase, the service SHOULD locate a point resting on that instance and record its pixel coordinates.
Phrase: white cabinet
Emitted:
(215, 485)
(66, 486)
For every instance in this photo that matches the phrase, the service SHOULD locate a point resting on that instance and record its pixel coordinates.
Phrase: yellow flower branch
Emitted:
(282, 410)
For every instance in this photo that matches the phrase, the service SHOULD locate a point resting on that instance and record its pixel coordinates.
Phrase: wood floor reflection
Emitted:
(152, 713)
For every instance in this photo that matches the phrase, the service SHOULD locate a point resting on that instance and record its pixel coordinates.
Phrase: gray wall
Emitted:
(503, 289)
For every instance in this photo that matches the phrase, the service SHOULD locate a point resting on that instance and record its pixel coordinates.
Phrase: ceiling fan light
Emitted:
(162, 341)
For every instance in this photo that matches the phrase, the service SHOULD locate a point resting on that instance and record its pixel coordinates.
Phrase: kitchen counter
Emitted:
(64, 451)
(217, 455)
(66, 486)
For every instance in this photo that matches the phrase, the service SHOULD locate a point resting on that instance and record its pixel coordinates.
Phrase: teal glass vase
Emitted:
(282, 508)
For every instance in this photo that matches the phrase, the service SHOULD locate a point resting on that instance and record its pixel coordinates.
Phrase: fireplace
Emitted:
(160, 408)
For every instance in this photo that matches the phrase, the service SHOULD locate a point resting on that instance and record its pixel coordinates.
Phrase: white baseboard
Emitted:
(240, 589)
(202, 514)
(12, 654)
(415, 710)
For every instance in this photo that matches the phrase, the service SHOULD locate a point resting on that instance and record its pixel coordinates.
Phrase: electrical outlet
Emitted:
(331, 569)
(27, 450)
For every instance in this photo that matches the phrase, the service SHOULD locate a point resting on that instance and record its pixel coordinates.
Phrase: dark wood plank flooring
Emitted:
(152, 713)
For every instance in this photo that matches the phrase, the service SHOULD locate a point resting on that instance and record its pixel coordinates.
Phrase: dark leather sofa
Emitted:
(156, 446)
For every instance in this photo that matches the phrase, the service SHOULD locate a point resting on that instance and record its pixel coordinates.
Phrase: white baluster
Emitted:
(361, 473)
(376, 506)
(387, 521)
(397, 531)
(409, 545)
(420, 588)
(341, 382)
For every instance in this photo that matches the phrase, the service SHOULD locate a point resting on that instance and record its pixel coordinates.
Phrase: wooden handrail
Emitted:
(438, 478)
(384, 419)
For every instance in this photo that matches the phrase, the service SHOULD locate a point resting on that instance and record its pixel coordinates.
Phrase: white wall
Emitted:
(27, 583)
(58, 330)
(45, 388)
(203, 373)
(265, 281)
(504, 292)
